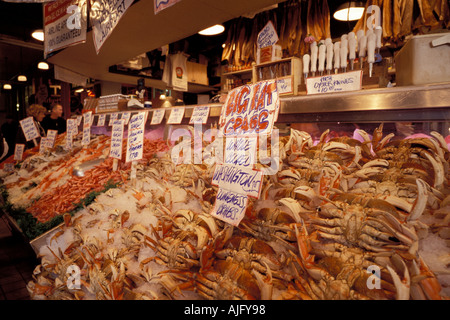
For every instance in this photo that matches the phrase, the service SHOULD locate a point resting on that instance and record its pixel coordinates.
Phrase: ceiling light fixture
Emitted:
(43, 65)
(349, 11)
(22, 78)
(38, 34)
(211, 31)
(7, 86)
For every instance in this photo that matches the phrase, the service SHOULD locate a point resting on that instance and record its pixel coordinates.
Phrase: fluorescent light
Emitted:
(43, 65)
(7, 86)
(349, 11)
(22, 78)
(79, 90)
(216, 29)
(38, 34)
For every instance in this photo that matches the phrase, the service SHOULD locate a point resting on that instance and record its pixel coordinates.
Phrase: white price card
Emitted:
(79, 118)
(69, 141)
(158, 116)
(51, 137)
(72, 127)
(18, 151)
(341, 82)
(87, 119)
(86, 136)
(29, 129)
(199, 115)
(101, 120)
(112, 118)
(135, 142)
(117, 139)
(43, 145)
(230, 206)
(238, 179)
(176, 115)
(126, 117)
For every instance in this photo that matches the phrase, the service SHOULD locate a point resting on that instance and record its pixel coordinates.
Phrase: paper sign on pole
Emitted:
(126, 117)
(158, 116)
(64, 24)
(135, 142)
(112, 118)
(101, 120)
(199, 115)
(105, 15)
(29, 129)
(18, 151)
(176, 115)
(117, 139)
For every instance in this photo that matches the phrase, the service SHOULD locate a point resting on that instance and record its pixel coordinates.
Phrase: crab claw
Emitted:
(420, 202)
(402, 285)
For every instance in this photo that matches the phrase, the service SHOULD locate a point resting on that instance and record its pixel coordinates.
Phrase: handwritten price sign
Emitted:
(18, 151)
(116, 139)
(101, 120)
(250, 109)
(158, 115)
(29, 129)
(349, 81)
(199, 115)
(176, 115)
(230, 206)
(135, 143)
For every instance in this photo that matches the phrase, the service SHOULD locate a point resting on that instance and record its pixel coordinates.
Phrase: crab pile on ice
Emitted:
(342, 219)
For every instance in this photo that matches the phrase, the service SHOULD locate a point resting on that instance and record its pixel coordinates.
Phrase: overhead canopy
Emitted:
(140, 30)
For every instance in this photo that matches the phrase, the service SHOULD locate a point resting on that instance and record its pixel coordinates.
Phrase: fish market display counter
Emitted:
(356, 206)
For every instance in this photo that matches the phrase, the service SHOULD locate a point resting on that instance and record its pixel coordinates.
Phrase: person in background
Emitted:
(55, 121)
(38, 113)
(9, 131)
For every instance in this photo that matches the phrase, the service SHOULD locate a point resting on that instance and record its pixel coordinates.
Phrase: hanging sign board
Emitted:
(117, 139)
(64, 24)
(135, 143)
(160, 5)
(105, 15)
(341, 82)
(158, 115)
(29, 129)
(176, 115)
(199, 115)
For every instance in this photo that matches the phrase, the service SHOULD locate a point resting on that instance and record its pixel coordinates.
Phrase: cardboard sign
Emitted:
(117, 139)
(158, 116)
(267, 36)
(250, 110)
(341, 82)
(238, 179)
(176, 115)
(135, 142)
(230, 206)
(29, 128)
(101, 120)
(199, 115)
(18, 151)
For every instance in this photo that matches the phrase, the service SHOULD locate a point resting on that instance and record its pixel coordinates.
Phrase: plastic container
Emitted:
(418, 62)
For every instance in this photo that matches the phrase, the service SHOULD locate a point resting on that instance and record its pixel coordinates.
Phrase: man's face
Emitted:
(57, 111)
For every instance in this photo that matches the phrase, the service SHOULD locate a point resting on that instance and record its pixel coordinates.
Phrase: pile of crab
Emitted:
(342, 219)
